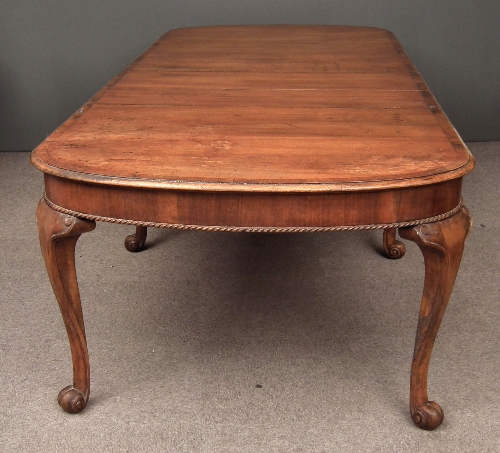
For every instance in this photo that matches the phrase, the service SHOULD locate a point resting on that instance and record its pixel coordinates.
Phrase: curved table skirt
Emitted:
(255, 211)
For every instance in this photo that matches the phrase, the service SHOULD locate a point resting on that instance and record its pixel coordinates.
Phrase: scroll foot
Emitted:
(393, 248)
(72, 400)
(135, 242)
(442, 245)
(428, 416)
(58, 236)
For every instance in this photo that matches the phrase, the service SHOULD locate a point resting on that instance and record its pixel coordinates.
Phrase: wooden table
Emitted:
(261, 129)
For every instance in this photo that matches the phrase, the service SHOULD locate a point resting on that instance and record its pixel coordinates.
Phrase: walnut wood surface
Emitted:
(270, 108)
(261, 127)
(259, 209)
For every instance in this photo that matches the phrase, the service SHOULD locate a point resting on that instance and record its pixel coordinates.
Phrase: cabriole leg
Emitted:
(135, 242)
(442, 244)
(58, 236)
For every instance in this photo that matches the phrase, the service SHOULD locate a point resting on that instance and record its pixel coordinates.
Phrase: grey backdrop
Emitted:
(55, 54)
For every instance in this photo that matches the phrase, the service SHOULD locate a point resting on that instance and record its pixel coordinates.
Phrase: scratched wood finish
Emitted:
(262, 108)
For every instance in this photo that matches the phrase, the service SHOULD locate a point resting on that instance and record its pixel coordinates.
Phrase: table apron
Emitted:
(253, 210)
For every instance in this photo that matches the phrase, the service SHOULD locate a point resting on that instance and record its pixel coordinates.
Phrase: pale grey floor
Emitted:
(181, 334)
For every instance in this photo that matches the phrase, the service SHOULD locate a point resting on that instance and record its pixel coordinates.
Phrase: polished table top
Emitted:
(262, 108)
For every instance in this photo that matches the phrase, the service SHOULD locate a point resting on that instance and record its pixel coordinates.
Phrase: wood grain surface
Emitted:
(262, 108)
